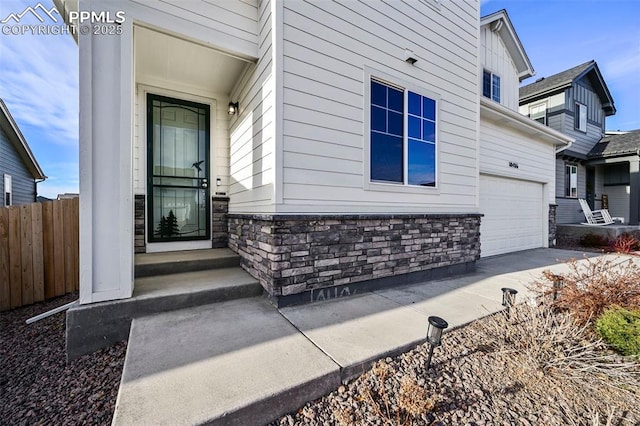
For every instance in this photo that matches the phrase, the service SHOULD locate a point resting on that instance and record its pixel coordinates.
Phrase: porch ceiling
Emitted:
(161, 57)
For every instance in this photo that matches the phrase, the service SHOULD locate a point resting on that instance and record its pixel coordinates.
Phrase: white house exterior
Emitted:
(517, 175)
(361, 153)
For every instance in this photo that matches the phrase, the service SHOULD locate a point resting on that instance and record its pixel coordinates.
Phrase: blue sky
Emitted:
(39, 76)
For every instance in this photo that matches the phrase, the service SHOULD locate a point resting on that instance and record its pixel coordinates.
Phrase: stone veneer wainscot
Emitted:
(297, 258)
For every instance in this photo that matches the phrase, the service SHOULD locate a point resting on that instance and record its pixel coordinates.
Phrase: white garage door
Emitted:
(513, 215)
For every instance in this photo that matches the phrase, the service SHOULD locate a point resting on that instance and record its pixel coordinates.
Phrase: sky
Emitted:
(39, 74)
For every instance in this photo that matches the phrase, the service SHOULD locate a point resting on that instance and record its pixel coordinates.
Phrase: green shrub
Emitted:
(620, 328)
(593, 240)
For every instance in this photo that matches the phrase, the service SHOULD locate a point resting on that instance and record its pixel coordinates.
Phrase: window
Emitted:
(403, 136)
(571, 181)
(8, 190)
(491, 85)
(538, 112)
(580, 117)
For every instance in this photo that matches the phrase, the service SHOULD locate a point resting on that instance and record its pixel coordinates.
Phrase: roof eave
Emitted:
(20, 144)
(512, 43)
(491, 109)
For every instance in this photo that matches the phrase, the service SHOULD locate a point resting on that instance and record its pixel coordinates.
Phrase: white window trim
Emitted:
(577, 121)
(537, 105)
(8, 182)
(572, 167)
(404, 187)
(490, 85)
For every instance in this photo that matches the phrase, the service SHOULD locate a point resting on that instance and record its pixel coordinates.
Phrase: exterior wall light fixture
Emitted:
(410, 57)
(233, 108)
(434, 335)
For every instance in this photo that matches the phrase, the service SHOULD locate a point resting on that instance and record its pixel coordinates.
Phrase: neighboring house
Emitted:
(616, 160)
(19, 170)
(348, 142)
(576, 102)
(517, 175)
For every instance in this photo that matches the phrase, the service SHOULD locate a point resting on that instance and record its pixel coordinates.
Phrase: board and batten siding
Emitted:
(500, 146)
(495, 57)
(23, 186)
(229, 25)
(328, 50)
(252, 132)
(582, 91)
(618, 200)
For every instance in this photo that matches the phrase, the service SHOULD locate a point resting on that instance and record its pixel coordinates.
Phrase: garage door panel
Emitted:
(513, 215)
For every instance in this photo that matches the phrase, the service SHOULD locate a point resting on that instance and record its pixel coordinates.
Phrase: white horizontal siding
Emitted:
(495, 57)
(325, 48)
(252, 131)
(230, 25)
(499, 146)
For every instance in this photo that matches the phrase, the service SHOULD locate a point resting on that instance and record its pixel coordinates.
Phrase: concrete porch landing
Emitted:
(245, 362)
(171, 281)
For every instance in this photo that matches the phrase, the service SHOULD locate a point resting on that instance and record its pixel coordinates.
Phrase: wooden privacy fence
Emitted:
(38, 252)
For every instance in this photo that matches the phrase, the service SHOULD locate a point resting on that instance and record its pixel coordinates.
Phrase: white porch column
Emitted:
(106, 170)
(634, 196)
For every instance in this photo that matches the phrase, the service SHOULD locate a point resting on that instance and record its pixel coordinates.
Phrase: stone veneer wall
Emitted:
(140, 245)
(219, 222)
(291, 255)
(552, 225)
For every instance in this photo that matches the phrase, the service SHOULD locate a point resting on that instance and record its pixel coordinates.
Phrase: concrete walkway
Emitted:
(245, 362)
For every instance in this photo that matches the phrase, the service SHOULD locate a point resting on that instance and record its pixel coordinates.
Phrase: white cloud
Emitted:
(36, 92)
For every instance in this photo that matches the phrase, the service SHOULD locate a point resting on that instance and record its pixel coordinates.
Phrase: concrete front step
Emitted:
(232, 363)
(174, 262)
(97, 325)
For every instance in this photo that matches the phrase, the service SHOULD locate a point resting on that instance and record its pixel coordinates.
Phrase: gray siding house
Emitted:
(576, 102)
(19, 170)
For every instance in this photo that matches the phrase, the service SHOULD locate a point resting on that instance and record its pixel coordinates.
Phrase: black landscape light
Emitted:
(558, 284)
(508, 298)
(434, 335)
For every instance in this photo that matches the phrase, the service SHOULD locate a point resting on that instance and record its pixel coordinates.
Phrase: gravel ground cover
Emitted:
(492, 372)
(38, 387)
(522, 370)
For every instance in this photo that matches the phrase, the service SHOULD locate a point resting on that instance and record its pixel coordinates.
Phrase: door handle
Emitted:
(204, 183)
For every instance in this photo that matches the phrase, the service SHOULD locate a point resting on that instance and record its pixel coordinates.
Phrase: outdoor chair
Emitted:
(595, 217)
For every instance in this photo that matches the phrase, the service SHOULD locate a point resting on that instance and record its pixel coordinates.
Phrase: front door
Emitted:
(178, 170)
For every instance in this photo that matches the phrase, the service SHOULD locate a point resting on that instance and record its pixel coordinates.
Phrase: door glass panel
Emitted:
(179, 170)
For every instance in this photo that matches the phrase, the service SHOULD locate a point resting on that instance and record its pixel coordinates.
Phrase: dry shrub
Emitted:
(625, 244)
(557, 356)
(591, 285)
(396, 402)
